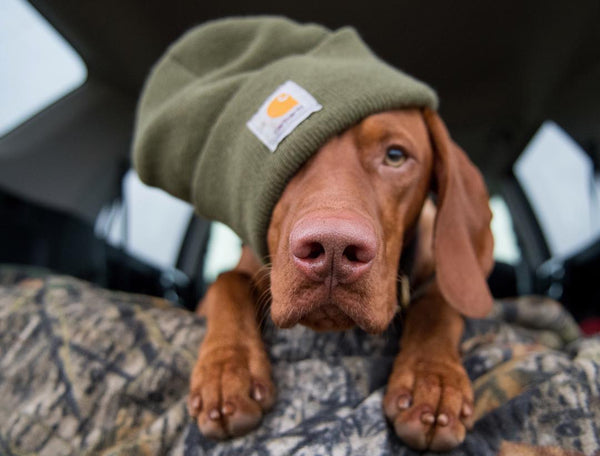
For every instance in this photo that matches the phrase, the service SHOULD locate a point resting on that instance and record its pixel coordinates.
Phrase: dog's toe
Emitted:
(421, 428)
(230, 415)
(414, 427)
(429, 404)
(194, 404)
(210, 424)
(226, 398)
(447, 436)
(242, 417)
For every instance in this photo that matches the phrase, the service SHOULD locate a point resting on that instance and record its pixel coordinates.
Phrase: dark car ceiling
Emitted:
(500, 68)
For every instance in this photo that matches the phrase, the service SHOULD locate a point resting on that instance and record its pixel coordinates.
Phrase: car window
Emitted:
(506, 248)
(562, 186)
(38, 66)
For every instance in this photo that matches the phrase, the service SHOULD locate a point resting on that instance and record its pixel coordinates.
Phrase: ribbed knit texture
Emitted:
(191, 137)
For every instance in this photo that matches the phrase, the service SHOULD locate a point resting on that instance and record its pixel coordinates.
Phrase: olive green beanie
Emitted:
(236, 106)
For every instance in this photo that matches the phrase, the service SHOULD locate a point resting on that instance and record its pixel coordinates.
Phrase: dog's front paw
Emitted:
(429, 402)
(230, 389)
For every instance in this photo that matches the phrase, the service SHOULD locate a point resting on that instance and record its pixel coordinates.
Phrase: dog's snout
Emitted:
(340, 248)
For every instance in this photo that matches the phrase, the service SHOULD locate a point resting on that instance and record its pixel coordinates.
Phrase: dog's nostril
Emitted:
(308, 250)
(315, 250)
(361, 252)
(356, 253)
(351, 253)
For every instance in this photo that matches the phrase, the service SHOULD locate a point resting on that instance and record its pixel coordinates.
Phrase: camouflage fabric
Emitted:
(88, 371)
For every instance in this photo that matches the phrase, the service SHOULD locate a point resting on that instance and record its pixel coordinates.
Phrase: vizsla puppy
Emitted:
(336, 239)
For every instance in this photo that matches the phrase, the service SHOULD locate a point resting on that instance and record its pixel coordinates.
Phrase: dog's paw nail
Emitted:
(428, 418)
(404, 402)
(194, 405)
(228, 409)
(467, 410)
(214, 415)
(259, 392)
(443, 419)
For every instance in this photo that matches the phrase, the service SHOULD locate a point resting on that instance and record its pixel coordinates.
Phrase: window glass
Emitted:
(37, 66)
(506, 248)
(563, 189)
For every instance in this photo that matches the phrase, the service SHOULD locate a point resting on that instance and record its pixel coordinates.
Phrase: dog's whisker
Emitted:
(261, 280)
(262, 306)
(263, 297)
(266, 260)
(263, 310)
(264, 269)
(262, 276)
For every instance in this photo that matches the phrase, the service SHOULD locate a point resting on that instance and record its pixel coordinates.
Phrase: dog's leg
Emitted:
(231, 386)
(429, 398)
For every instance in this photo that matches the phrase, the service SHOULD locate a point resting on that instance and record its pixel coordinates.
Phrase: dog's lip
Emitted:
(328, 317)
(315, 309)
(342, 321)
(345, 306)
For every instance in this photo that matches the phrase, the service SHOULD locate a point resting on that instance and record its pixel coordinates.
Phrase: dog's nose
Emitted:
(341, 248)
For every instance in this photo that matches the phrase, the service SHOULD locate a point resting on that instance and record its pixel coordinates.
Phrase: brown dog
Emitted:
(335, 239)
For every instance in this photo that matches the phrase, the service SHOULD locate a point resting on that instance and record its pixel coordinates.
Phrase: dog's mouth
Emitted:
(328, 317)
(324, 309)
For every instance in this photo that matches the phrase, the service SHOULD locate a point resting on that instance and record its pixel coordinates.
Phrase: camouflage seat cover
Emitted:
(89, 371)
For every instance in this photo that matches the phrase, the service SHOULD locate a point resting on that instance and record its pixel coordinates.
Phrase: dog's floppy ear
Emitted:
(463, 242)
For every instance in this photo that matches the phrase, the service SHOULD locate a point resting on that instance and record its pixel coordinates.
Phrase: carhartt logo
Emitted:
(281, 104)
(286, 108)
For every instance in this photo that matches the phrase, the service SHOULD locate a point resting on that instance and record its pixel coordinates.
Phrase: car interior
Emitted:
(99, 273)
(500, 76)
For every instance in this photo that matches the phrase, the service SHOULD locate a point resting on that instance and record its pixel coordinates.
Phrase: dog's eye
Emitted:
(395, 156)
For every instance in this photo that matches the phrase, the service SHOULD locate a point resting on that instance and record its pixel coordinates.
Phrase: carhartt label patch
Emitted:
(281, 113)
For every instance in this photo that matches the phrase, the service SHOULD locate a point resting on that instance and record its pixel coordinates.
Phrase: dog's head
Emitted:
(338, 230)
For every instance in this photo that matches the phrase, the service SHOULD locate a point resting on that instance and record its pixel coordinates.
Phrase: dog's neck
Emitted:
(406, 280)
(409, 251)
